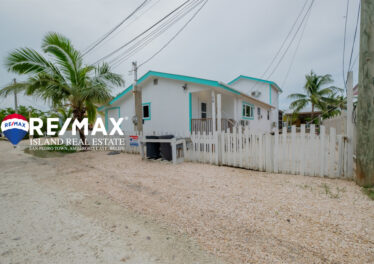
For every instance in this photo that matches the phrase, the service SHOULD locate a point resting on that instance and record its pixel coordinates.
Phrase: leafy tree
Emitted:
(62, 78)
(315, 94)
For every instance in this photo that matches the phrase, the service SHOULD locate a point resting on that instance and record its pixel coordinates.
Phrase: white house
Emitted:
(177, 104)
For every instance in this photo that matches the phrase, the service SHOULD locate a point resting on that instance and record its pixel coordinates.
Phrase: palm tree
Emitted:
(62, 78)
(315, 95)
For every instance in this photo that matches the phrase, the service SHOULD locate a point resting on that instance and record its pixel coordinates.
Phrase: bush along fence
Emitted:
(313, 154)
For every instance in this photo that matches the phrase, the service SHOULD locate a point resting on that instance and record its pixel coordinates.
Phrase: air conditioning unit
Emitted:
(256, 94)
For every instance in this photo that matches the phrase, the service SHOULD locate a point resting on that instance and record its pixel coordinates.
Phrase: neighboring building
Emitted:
(177, 104)
(300, 118)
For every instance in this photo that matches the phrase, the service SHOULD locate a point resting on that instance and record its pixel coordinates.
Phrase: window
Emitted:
(259, 114)
(155, 81)
(147, 111)
(203, 110)
(248, 110)
(268, 115)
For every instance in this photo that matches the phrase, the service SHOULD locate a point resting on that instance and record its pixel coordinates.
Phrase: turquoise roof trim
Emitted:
(255, 79)
(172, 77)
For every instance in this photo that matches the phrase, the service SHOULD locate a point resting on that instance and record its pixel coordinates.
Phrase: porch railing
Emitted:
(206, 125)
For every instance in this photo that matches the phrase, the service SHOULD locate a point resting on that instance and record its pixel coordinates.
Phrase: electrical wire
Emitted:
(176, 35)
(129, 54)
(141, 34)
(132, 21)
(292, 40)
(297, 48)
(344, 43)
(154, 34)
(355, 36)
(101, 39)
(285, 40)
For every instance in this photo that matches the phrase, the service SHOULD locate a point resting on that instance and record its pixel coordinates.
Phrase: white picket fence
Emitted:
(312, 154)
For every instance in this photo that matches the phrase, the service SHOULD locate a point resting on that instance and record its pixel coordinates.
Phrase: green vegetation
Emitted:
(61, 77)
(369, 192)
(329, 99)
(328, 191)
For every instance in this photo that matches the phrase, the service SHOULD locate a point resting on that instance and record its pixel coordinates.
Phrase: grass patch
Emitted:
(328, 191)
(369, 192)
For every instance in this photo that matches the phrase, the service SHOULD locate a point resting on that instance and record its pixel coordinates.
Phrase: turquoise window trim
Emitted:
(150, 112)
(106, 116)
(253, 109)
(190, 110)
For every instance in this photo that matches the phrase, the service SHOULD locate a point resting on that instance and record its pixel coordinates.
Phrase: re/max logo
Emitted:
(15, 123)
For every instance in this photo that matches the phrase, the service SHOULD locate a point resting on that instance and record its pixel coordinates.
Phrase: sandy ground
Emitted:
(240, 216)
(45, 219)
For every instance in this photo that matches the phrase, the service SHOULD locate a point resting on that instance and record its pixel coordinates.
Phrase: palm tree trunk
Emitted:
(312, 117)
(78, 114)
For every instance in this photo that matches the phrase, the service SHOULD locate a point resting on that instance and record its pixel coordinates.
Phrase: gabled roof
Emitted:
(256, 79)
(178, 77)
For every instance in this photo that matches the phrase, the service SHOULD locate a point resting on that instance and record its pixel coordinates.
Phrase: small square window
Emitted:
(155, 81)
(248, 110)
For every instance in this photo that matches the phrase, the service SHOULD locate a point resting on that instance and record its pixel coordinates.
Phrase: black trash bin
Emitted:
(153, 149)
(165, 148)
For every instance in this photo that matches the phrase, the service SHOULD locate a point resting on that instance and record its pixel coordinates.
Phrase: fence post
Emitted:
(313, 149)
(275, 151)
(332, 151)
(293, 149)
(303, 149)
(322, 152)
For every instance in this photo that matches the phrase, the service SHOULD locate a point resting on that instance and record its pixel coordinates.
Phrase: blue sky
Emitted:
(226, 39)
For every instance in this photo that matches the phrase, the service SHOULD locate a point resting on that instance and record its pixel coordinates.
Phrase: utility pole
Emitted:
(15, 97)
(350, 125)
(365, 108)
(138, 100)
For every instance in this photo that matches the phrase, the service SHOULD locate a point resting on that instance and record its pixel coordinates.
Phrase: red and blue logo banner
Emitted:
(15, 128)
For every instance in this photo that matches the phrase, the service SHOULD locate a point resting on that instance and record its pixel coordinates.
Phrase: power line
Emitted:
(297, 48)
(155, 33)
(285, 40)
(290, 43)
(135, 19)
(144, 32)
(292, 40)
(355, 35)
(145, 41)
(100, 40)
(344, 42)
(178, 32)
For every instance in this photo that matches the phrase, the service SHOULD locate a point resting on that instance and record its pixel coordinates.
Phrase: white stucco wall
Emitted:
(269, 95)
(170, 106)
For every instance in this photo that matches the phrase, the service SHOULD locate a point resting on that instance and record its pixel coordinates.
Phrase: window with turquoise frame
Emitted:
(147, 111)
(248, 111)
